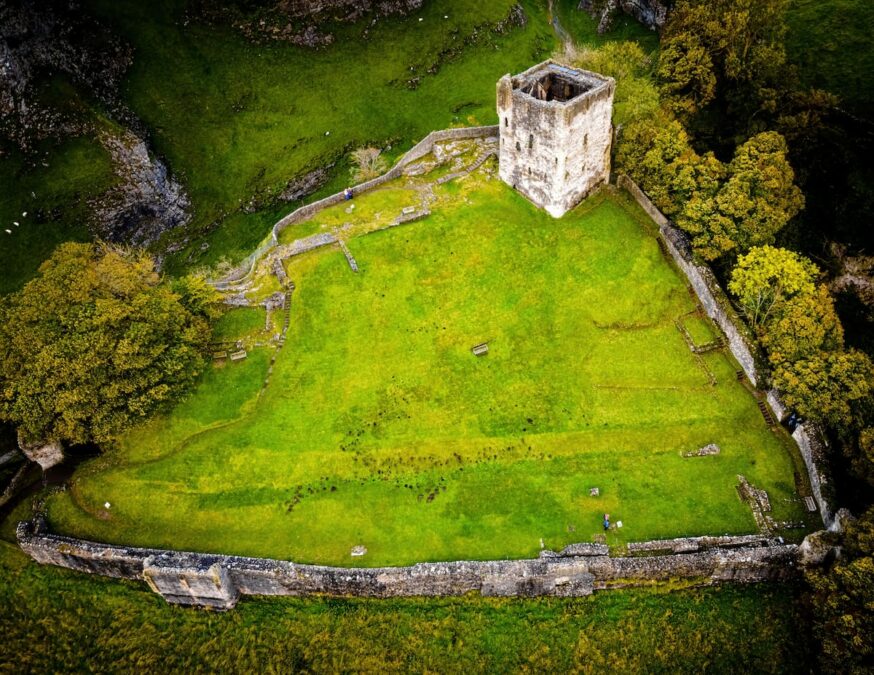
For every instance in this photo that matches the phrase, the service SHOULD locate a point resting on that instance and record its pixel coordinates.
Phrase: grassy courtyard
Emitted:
(380, 428)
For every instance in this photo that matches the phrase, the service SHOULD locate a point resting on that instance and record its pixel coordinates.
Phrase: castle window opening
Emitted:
(530, 141)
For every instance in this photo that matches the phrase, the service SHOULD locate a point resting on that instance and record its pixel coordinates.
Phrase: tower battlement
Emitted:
(556, 133)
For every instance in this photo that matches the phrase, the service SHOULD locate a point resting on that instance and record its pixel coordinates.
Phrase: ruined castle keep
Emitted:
(556, 133)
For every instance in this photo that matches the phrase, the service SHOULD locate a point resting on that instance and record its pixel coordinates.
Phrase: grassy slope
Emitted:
(831, 42)
(53, 193)
(583, 29)
(54, 620)
(236, 119)
(408, 444)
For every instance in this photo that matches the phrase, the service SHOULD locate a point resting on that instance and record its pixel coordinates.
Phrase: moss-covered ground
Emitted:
(380, 428)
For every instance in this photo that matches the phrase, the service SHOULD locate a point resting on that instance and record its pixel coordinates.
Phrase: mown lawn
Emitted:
(54, 620)
(380, 428)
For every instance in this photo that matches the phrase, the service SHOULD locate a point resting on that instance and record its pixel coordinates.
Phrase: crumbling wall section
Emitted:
(217, 581)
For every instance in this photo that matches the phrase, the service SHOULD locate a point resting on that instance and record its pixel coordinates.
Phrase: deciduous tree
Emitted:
(96, 343)
(843, 598)
(768, 276)
(756, 201)
(828, 387)
(686, 73)
(803, 326)
(369, 163)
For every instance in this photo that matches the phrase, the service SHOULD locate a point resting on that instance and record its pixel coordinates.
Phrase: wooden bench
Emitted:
(480, 349)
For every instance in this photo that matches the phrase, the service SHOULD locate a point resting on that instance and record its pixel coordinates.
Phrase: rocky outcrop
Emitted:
(306, 184)
(651, 13)
(45, 453)
(53, 37)
(301, 22)
(145, 202)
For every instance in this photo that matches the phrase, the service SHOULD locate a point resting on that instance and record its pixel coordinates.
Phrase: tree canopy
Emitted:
(766, 277)
(96, 343)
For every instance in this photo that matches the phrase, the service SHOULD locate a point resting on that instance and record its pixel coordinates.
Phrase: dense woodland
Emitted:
(748, 124)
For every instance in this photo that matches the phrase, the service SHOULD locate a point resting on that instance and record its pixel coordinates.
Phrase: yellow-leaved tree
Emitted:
(97, 342)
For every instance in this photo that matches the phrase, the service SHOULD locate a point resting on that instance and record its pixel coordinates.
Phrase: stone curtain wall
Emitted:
(218, 581)
(418, 151)
(307, 211)
(808, 438)
(704, 283)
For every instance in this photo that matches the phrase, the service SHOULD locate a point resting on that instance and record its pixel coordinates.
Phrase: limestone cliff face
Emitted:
(145, 202)
(651, 13)
(54, 37)
(49, 38)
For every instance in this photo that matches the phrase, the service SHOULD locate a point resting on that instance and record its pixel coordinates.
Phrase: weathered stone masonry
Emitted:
(556, 133)
(217, 581)
(716, 304)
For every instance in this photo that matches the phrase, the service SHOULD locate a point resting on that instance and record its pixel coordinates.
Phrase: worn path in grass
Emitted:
(380, 428)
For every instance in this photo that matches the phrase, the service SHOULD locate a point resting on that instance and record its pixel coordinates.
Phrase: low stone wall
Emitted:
(812, 447)
(708, 290)
(422, 148)
(217, 581)
(713, 299)
(418, 151)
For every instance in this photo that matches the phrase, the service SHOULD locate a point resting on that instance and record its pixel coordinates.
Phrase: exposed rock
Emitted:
(301, 22)
(709, 449)
(145, 202)
(305, 185)
(46, 454)
(651, 13)
(842, 518)
(37, 38)
(855, 276)
(10, 457)
(816, 548)
(275, 301)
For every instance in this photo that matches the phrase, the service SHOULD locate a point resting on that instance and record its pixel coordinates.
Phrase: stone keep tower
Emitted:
(556, 134)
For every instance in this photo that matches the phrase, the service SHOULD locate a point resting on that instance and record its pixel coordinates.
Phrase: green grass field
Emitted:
(52, 189)
(267, 113)
(379, 427)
